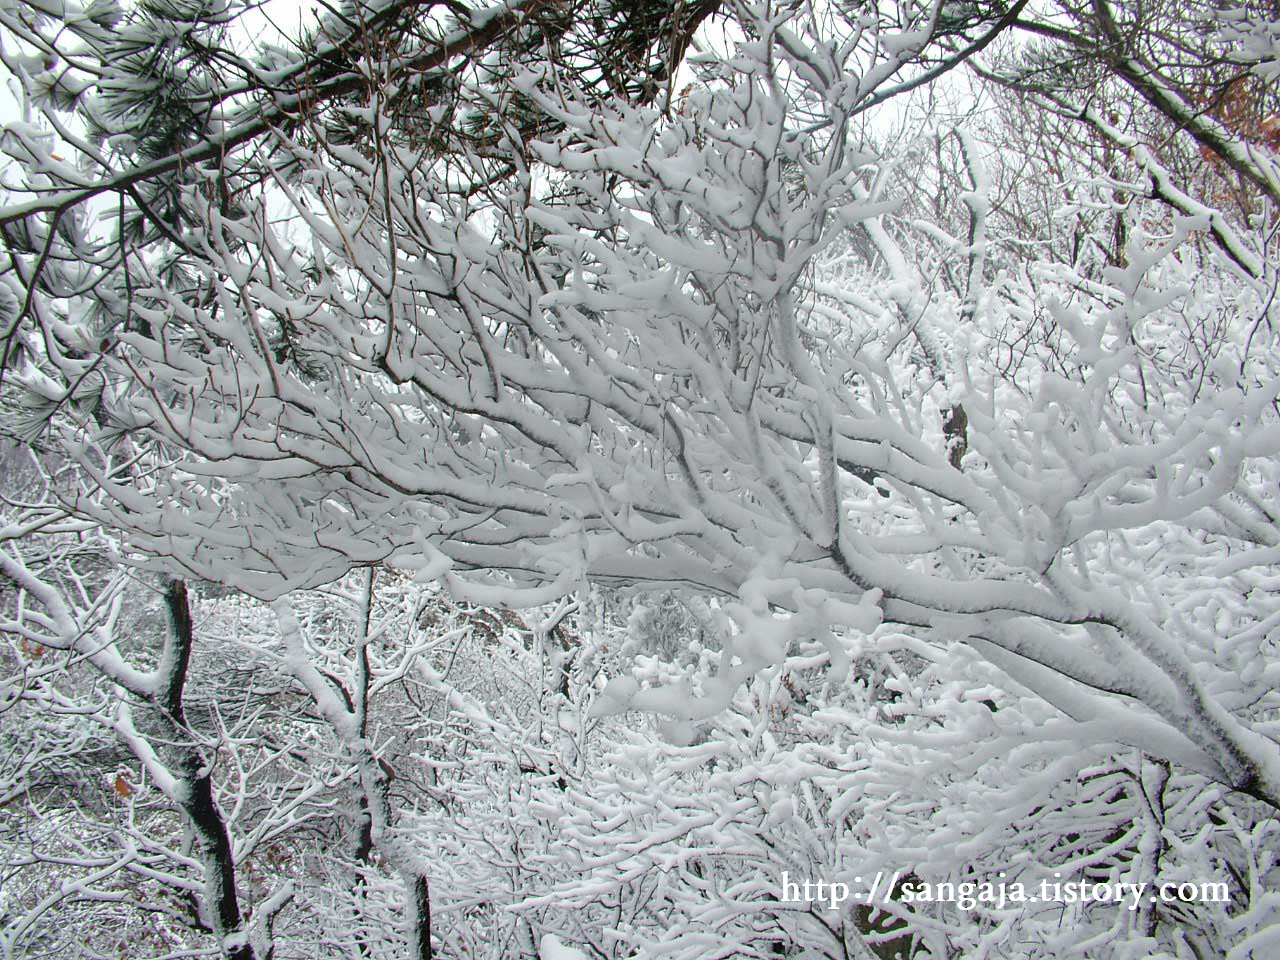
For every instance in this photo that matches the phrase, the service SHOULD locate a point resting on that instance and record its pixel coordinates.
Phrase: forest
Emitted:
(638, 479)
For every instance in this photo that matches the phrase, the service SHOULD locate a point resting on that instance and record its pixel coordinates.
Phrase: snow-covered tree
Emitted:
(927, 493)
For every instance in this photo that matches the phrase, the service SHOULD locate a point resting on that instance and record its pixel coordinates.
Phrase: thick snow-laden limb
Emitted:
(58, 628)
(553, 948)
